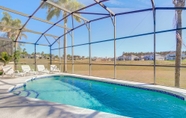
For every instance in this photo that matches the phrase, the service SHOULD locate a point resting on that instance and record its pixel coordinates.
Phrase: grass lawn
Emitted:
(145, 74)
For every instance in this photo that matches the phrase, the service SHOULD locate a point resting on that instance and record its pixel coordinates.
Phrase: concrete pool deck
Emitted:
(13, 106)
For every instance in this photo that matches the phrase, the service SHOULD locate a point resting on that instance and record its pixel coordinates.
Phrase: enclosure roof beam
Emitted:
(67, 33)
(32, 43)
(70, 13)
(90, 13)
(29, 20)
(35, 32)
(25, 15)
(27, 30)
(105, 7)
(130, 12)
(136, 11)
(108, 10)
(126, 37)
(153, 5)
(47, 40)
(51, 27)
(100, 18)
(55, 5)
(170, 8)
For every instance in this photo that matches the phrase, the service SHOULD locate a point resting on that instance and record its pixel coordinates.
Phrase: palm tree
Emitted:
(178, 3)
(24, 52)
(52, 11)
(9, 32)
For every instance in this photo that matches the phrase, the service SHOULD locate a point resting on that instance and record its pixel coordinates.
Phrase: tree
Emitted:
(17, 55)
(178, 3)
(5, 58)
(24, 52)
(52, 11)
(9, 32)
(56, 56)
(69, 57)
(42, 53)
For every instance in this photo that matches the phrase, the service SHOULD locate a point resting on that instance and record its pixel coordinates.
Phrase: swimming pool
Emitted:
(103, 96)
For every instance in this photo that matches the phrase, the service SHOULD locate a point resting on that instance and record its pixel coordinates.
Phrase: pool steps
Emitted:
(21, 85)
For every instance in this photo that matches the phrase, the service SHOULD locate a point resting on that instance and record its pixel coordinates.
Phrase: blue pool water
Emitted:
(116, 99)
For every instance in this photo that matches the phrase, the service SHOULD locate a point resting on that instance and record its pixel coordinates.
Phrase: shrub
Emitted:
(5, 57)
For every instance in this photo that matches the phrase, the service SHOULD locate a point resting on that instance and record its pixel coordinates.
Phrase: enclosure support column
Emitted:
(59, 54)
(89, 32)
(112, 14)
(154, 47)
(114, 47)
(64, 51)
(13, 52)
(35, 55)
(50, 55)
(72, 38)
(72, 53)
(154, 25)
(13, 46)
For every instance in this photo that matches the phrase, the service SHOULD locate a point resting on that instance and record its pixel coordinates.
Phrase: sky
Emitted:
(126, 25)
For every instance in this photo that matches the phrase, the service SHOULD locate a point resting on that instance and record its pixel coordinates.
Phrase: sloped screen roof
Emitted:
(39, 30)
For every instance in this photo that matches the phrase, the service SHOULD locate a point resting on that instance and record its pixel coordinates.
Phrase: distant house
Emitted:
(131, 57)
(121, 58)
(96, 59)
(159, 57)
(172, 56)
(151, 57)
(183, 56)
(38, 56)
(141, 57)
(76, 57)
(24, 56)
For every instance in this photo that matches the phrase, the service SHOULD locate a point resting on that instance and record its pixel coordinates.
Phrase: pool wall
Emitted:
(176, 92)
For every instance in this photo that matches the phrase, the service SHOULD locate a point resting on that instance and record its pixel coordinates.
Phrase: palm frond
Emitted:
(8, 21)
(71, 5)
(53, 13)
(23, 35)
